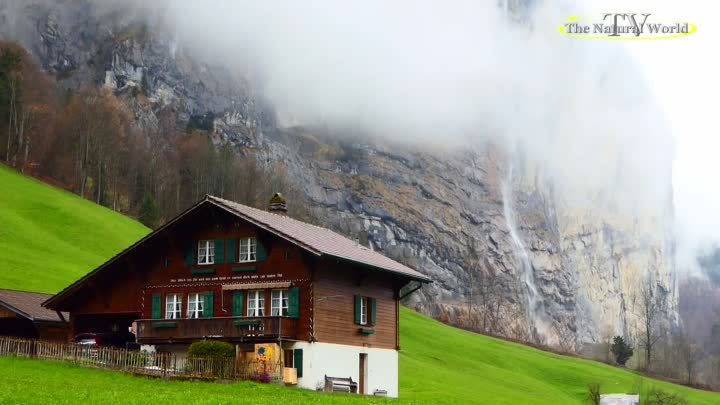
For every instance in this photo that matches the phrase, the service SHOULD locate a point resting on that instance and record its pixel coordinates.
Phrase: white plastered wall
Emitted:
(320, 359)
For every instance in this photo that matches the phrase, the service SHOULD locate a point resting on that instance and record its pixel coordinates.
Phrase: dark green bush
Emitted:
(621, 350)
(211, 349)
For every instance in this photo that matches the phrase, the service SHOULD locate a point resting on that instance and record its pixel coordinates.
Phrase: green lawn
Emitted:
(25, 381)
(438, 365)
(50, 238)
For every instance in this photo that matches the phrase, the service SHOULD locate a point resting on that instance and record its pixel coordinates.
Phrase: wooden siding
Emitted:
(6, 313)
(159, 267)
(335, 286)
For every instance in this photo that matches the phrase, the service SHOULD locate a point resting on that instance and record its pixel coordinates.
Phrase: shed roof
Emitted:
(28, 305)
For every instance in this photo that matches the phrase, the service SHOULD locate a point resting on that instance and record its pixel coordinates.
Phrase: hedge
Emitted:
(211, 349)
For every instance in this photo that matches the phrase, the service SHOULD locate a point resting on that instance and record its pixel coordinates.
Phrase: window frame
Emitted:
(176, 311)
(364, 310)
(250, 255)
(199, 303)
(256, 297)
(204, 249)
(284, 301)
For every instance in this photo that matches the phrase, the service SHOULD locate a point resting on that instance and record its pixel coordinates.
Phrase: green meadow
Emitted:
(50, 237)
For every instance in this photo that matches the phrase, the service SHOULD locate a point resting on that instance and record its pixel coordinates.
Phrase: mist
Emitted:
(456, 75)
(450, 76)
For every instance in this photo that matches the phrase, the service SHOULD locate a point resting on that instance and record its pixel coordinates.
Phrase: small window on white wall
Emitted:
(206, 252)
(248, 250)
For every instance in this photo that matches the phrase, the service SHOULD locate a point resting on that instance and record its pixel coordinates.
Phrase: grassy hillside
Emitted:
(438, 361)
(50, 237)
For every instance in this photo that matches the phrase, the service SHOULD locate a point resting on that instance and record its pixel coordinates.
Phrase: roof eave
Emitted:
(420, 277)
(15, 310)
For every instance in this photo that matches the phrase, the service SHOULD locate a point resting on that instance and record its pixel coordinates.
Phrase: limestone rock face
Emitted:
(505, 243)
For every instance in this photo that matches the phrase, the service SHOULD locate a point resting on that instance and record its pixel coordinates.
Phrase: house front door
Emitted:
(363, 374)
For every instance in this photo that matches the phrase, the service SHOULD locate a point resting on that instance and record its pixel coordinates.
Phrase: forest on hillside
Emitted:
(88, 141)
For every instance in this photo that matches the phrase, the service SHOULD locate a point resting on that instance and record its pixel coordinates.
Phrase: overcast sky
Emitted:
(684, 74)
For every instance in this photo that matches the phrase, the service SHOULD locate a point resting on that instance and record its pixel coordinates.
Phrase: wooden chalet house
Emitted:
(226, 271)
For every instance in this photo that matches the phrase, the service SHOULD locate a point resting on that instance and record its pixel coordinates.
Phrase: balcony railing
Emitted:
(226, 328)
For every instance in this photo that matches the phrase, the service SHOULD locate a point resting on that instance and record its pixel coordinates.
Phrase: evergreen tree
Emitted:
(621, 350)
(149, 214)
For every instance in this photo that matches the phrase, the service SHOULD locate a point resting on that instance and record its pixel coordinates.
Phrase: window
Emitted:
(195, 305)
(256, 303)
(294, 359)
(363, 310)
(279, 303)
(206, 252)
(248, 250)
(173, 306)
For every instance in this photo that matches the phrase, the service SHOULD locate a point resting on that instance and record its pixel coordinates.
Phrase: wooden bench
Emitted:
(340, 384)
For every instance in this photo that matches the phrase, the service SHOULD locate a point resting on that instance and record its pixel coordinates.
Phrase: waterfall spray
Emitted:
(536, 314)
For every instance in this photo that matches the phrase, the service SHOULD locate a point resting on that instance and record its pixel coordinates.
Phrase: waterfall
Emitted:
(535, 308)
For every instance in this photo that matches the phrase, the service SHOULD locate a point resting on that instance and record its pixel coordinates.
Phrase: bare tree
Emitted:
(649, 306)
(691, 356)
(486, 305)
(566, 338)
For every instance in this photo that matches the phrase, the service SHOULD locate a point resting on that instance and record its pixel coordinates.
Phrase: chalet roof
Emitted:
(317, 240)
(28, 305)
(321, 241)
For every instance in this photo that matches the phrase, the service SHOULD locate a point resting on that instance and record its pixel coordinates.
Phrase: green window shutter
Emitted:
(298, 361)
(238, 303)
(219, 251)
(294, 303)
(357, 309)
(260, 253)
(232, 250)
(156, 306)
(208, 305)
(190, 253)
(373, 310)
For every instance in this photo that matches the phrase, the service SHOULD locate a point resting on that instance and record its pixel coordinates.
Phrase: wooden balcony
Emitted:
(235, 329)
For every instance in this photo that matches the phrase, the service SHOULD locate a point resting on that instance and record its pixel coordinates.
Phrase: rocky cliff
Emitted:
(509, 249)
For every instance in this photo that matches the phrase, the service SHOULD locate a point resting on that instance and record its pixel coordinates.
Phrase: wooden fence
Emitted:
(157, 364)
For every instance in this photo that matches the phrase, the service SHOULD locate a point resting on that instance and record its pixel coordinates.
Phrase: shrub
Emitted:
(211, 349)
(262, 377)
(621, 350)
(656, 396)
(594, 394)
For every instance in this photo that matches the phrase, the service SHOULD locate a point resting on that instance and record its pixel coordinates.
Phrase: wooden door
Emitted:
(363, 373)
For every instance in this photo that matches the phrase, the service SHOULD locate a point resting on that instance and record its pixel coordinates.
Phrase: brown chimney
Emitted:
(278, 204)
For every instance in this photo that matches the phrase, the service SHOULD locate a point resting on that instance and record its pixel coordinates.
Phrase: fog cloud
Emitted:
(451, 73)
